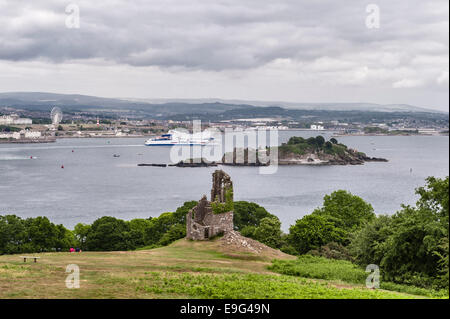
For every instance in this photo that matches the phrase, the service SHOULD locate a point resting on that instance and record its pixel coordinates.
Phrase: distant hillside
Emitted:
(215, 110)
(352, 106)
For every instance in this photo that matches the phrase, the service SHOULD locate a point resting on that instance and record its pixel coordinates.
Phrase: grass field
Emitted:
(184, 269)
(307, 266)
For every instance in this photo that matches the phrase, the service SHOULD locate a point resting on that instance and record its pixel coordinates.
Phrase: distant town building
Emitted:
(12, 135)
(14, 119)
(428, 131)
(32, 134)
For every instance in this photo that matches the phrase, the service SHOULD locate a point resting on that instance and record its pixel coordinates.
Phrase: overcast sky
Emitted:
(281, 50)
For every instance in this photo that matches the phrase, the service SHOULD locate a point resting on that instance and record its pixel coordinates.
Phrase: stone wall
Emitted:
(201, 222)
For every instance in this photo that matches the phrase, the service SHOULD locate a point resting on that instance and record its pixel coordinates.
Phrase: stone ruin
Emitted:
(211, 218)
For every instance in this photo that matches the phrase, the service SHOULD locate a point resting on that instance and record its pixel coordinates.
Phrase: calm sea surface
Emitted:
(93, 183)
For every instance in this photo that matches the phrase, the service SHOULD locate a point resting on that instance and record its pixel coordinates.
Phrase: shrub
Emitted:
(248, 214)
(314, 231)
(332, 251)
(347, 211)
(320, 268)
(411, 247)
(269, 232)
(109, 234)
(32, 235)
(175, 232)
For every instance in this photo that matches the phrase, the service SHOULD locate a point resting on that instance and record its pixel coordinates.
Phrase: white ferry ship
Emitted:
(174, 137)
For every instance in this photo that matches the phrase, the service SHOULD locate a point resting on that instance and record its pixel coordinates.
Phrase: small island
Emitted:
(301, 151)
(297, 151)
(317, 151)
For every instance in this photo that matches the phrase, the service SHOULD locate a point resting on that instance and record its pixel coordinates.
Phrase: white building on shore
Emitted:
(23, 134)
(31, 134)
(14, 119)
(10, 135)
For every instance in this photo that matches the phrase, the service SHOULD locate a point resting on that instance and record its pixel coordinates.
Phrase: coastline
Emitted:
(29, 141)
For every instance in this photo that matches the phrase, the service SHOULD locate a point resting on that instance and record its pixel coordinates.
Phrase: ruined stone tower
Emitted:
(211, 218)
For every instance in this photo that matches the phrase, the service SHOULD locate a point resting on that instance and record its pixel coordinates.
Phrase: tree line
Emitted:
(410, 246)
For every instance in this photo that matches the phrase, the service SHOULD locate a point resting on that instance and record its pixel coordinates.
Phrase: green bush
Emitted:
(269, 232)
(175, 232)
(158, 226)
(308, 266)
(348, 211)
(312, 232)
(109, 234)
(314, 267)
(248, 214)
(32, 235)
(332, 251)
(412, 245)
(80, 232)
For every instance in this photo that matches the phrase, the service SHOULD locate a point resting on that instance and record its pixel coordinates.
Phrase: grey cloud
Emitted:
(202, 34)
(272, 49)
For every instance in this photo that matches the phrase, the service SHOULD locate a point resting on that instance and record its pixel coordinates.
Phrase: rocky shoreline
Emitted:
(28, 140)
(312, 162)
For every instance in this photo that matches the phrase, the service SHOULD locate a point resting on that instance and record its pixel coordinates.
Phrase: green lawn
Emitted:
(184, 269)
(327, 269)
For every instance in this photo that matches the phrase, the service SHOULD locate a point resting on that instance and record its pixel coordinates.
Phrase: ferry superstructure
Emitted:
(174, 137)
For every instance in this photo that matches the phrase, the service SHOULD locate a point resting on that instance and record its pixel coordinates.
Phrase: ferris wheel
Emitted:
(56, 116)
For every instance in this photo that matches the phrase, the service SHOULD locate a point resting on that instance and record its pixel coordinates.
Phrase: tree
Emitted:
(269, 232)
(12, 234)
(312, 141)
(42, 235)
(412, 245)
(65, 238)
(320, 140)
(417, 251)
(182, 211)
(296, 140)
(409, 252)
(138, 228)
(60, 128)
(109, 234)
(434, 196)
(32, 235)
(347, 211)
(81, 231)
(248, 231)
(175, 232)
(333, 140)
(312, 232)
(248, 214)
(368, 244)
(158, 226)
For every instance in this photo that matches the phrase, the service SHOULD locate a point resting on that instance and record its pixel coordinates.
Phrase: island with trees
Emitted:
(318, 151)
(301, 151)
